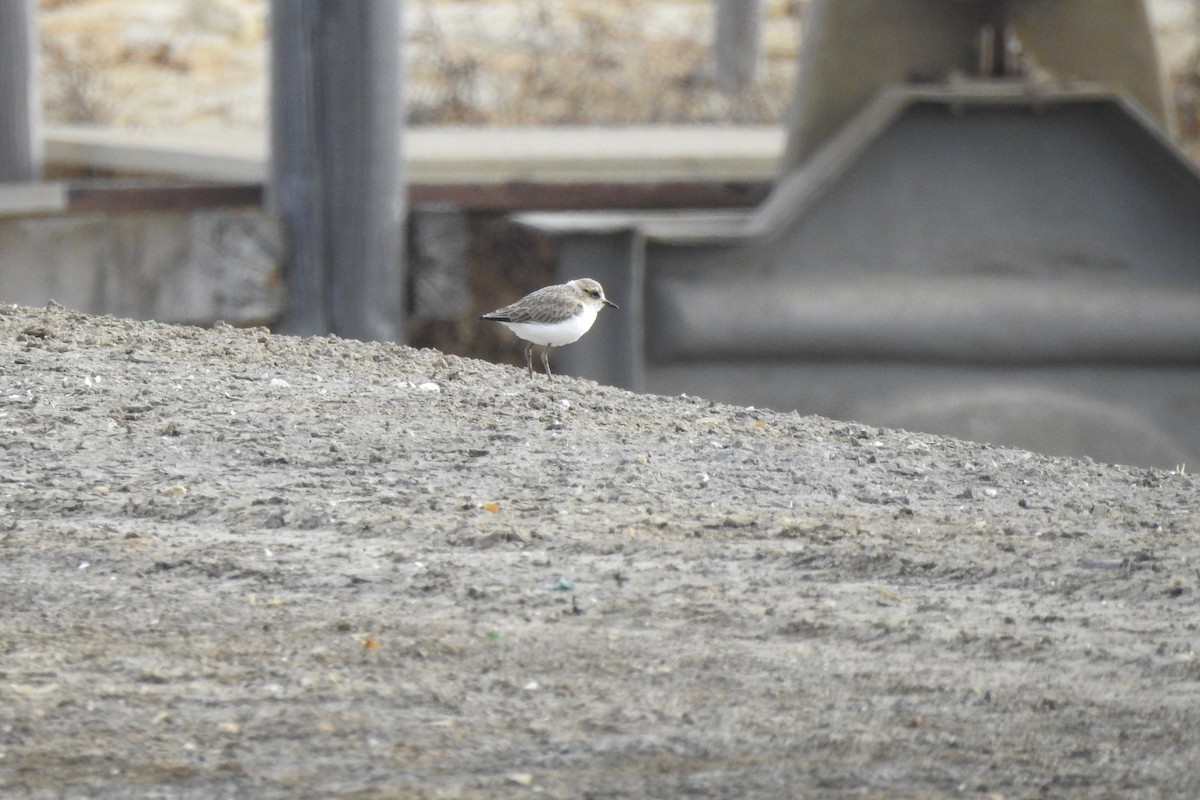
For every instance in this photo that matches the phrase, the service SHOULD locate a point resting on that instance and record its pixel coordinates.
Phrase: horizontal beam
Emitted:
(25, 199)
(128, 195)
(973, 320)
(525, 196)
(440, 156)
(125, 196)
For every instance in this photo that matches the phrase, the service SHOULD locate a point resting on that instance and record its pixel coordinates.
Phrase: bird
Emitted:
(552, 316)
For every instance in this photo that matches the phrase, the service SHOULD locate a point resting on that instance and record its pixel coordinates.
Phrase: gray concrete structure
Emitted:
(989, 259)
(20, 126)
(197, 257)
(337, 178)
(853, 48)
(736, 48)
(982, 229)
(191, 267)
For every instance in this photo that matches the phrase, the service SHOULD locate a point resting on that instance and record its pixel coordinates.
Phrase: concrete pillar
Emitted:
(612, 352)
(20, 121)
(337, 173)
(737, 43)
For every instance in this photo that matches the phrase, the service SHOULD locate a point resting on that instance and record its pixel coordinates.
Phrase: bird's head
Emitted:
(592, 292)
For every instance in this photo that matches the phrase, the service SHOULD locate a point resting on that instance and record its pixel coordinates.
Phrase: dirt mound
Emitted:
(238, 564)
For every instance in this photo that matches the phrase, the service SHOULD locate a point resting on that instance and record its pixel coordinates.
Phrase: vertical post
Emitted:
(337, 173)
(993, 40)
(613, 353)
(736, 43)
(20, 100)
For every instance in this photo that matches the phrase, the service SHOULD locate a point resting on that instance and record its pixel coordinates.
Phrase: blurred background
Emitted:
(202, 63)
(617, 108)
(198, 69)
(188, 63)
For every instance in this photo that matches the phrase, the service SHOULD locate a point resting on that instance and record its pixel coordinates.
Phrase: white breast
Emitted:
(558, 333)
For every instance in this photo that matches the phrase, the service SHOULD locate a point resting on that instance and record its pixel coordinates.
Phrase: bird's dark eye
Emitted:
(595, 294)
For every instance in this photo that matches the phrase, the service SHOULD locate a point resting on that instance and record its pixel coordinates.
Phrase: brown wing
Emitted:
(545, 306)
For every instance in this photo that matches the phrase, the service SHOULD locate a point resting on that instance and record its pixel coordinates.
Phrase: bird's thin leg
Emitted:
(546, 361)
(529, 358)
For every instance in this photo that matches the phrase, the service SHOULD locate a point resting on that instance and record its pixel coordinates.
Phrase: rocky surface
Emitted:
(238, 564)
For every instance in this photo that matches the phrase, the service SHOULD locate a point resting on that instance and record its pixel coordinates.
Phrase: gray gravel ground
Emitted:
(241, 565)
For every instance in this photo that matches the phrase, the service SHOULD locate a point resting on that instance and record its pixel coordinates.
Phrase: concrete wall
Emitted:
(980, 262)
(1109, 42)
(191, 267)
